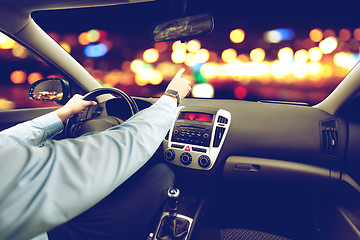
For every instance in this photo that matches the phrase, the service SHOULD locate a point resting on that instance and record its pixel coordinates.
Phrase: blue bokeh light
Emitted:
(286, 34)
(95, 50)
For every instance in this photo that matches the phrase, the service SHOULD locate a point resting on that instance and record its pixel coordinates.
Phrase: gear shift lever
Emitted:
(173, 227)
(173, 200)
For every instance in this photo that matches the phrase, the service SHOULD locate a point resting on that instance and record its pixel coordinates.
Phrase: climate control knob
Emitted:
(204, 161)
(186, 158)
(169, 154)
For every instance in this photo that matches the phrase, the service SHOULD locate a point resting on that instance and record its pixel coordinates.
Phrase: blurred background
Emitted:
(296, 52)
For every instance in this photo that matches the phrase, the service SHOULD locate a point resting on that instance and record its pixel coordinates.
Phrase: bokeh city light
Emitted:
(282, 65)
(237, 35)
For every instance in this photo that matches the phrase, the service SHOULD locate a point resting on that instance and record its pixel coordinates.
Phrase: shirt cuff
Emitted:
(50, 123)
(168, 100)
(42, 236)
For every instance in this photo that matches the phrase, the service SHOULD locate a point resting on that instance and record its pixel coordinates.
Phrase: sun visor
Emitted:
(16, 13)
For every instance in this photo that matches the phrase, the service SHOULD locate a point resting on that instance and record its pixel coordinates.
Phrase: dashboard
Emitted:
(247, 139)
(254, 140)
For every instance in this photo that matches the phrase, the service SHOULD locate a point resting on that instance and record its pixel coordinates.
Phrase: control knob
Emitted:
(204, 161)
(169, 154)
(186, 158)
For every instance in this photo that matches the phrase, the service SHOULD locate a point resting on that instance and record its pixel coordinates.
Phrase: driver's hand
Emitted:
(179, 84)
(74, 106)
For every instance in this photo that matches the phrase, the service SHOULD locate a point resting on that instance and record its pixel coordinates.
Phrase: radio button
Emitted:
(199, 149)
(174, 145)
(186, 158)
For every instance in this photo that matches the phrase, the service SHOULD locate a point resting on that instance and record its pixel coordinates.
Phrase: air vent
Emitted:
(219, 133)
(329, 124)
(222, 119)
(330, 142)
(95, 115)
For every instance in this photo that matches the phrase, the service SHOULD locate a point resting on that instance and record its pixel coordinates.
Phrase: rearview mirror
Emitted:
(182, 28)
(50, 89)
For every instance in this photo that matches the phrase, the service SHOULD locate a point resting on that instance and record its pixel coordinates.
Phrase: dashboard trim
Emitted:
(271, 169)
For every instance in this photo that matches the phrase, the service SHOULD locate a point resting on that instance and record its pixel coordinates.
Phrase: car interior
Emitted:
(244, 169)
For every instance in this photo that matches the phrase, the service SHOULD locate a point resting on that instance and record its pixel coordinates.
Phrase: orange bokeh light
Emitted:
(345, 34)
(84, 38)
(316, 35)
(329, 33)
(18, 77)
(161, 46)
(33, 77)
(357, 34)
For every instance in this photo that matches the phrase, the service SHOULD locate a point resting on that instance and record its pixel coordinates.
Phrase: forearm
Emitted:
(63, 114)
(33, 132)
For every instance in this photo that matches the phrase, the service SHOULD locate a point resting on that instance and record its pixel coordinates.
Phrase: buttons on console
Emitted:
(197, 149)
(180, 146)
(192, 135)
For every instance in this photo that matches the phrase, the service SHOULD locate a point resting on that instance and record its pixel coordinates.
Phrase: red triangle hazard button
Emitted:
(187, 148)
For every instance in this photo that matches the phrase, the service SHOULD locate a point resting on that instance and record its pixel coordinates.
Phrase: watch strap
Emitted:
(174, 94)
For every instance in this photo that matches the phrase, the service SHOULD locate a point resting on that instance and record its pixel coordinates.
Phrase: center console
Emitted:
(196, 137)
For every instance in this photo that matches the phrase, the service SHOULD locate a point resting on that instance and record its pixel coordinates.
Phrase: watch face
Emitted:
(173, 92)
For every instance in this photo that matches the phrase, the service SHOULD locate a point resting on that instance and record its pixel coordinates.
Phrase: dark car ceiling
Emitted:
(261, 15)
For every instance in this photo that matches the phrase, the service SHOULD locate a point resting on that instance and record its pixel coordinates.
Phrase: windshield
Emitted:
(250, 55)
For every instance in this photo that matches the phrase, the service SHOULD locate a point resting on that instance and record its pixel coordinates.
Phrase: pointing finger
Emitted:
(179, 73)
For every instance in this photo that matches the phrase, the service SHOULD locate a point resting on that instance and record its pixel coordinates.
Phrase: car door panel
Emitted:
(10, 118)
(340, 213)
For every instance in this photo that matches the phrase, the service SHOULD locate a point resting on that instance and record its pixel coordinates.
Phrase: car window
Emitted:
(240, 59)
(19, 69)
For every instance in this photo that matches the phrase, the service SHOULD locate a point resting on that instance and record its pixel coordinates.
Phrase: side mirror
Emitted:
(50, 89)
(182, 28)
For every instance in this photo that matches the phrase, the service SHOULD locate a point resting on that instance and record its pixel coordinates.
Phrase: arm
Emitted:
(38, 130)
(62, 180)
(34, 132)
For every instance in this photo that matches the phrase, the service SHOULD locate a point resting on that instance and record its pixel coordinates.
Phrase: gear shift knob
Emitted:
(173, 199)
(173, 192)
(173, 226)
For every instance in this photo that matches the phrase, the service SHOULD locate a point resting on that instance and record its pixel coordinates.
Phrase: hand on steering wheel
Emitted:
(97, 123)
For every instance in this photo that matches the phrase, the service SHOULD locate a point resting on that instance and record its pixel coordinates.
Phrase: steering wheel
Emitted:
(96, 119)
(100, 91)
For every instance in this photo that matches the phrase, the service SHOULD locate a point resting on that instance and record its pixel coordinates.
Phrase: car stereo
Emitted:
(196, 137)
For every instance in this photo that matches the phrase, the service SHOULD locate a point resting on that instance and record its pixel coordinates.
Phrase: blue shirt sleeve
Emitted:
(34, 132)
(45, 187)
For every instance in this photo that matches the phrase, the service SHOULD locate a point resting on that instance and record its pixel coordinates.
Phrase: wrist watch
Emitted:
(173, 94)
